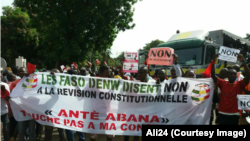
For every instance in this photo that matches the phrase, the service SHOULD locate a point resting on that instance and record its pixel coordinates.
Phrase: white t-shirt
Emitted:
(151, 81)
(164, 81)
(4, 108)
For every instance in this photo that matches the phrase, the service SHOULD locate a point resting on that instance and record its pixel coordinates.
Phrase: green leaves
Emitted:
(72, 28)
(18, 38)
(152, 44)
(248, 37)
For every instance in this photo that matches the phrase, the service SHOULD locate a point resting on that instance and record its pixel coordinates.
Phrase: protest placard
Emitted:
(130, 63)
(161, 56)
(228, 54)
(243, 102)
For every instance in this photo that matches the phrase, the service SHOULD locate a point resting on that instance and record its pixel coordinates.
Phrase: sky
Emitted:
(160, 19)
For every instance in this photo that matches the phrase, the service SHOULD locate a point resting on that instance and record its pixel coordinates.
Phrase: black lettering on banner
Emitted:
(176, 86)
(40, 90)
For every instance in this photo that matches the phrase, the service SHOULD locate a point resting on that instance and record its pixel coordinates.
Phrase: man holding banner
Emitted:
(5, 91)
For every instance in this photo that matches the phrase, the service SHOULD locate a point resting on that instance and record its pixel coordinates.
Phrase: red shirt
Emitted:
(228, 101)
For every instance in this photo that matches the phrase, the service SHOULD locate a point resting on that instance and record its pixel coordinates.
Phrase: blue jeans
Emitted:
(22, 128)
(70, 135)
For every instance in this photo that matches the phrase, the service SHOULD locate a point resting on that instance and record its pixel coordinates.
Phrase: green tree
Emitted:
(106, 56)
(152, 44)
(247, 37)
(73, 28)
(18, 38)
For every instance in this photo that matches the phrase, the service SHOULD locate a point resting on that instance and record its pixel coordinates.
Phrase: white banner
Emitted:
(110, 106)
(228, 54)
(243, 102)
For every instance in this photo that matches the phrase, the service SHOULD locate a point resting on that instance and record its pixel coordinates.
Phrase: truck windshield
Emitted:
(189, 56)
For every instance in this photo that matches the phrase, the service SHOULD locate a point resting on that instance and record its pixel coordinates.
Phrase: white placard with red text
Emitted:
(130, 63)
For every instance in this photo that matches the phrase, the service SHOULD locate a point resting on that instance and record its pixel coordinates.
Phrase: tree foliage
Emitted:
(247, 37)
(73, 28)
(152, 44)
(18, 38)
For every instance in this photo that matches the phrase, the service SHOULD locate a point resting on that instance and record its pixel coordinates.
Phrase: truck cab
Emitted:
(196, 49)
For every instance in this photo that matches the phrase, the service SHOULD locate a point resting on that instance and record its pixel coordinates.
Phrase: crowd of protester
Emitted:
(225, 107)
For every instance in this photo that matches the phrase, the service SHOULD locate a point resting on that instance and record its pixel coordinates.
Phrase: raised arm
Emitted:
(146, 63)
(121, 70)
(176, 65)
(214, 77)
(246, 68)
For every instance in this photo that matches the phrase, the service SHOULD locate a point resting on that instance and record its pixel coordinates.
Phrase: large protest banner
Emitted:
(110, 106)
(161, 56)
(130, 63)
(228, 54)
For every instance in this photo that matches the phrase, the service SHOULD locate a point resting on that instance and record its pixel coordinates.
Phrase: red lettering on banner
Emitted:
(63, 112)
(24, 113)
(139, 128)
(66, 121)
(49, 119)
(112, 126)
(84, 114)
(142, 118)
(80, 124)
(121, 117)
(76, 115)
(73, 123)
(56, 121)
(35, 118)
(29, 114)
(154, 118)
(122, 128)
(42, 118)
(110, 116)
(131, 127)
(104, 127)
(91, 125)
(94, 115)
(132, 117)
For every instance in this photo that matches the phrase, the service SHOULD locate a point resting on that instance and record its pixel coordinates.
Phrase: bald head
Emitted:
(189, 74)
(223, 73)
(236, 67)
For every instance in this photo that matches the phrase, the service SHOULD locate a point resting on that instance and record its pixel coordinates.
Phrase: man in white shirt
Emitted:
(5, 90)
(161, 75)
